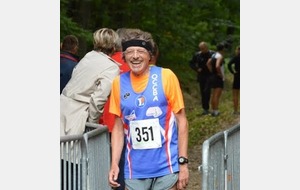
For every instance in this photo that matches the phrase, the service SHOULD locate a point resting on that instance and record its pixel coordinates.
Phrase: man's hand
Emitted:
(183, 177)
(113, 176)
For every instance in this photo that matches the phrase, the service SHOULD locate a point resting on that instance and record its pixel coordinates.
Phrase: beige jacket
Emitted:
(84, 96)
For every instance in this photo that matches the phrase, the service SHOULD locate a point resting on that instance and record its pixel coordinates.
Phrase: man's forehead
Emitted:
(136, 48)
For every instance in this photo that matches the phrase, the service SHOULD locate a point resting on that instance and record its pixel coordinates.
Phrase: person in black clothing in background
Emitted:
(198, 64)
(235, 61)
(68, 59)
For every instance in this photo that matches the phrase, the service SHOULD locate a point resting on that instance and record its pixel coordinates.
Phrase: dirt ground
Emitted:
(195, 159)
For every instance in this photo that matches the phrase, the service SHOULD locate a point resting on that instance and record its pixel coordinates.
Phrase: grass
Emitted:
(202, 127)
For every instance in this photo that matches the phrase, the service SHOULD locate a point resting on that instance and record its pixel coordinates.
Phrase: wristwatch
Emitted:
(183, 160)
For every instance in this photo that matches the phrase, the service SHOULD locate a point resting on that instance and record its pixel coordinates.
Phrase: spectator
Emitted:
(234, 68)
(68, 59)
(148, 106)
(216, 66)
(84, 96)
(198, 64)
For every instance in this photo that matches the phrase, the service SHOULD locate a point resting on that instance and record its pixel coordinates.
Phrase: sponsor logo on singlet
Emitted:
(140, 101)
(154, 87)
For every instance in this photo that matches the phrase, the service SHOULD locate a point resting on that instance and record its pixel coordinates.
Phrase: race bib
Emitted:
(145, 134)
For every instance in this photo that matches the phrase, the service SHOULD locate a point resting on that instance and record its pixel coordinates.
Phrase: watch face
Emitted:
(181, 160)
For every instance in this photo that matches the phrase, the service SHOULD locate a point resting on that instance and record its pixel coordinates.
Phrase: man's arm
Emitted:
(194, 63)
(117, 142)
(230, 64)
(183, 133)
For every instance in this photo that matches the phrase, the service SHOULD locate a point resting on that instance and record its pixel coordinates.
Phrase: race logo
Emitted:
(140, 101)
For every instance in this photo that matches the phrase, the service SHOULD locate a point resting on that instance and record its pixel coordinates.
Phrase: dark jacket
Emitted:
(199, 60)
(67, 63)
(234, 65)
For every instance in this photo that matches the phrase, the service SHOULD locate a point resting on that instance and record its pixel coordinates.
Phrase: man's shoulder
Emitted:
(211, 52)
(68, 57)
(197, 54)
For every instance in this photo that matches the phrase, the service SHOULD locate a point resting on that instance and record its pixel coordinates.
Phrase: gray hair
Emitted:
(121, 32)
(137, 34)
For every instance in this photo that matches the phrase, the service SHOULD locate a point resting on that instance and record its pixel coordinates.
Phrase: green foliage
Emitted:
(177, 26)
(69, 27)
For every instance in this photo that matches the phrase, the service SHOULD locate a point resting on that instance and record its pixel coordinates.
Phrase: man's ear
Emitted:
(123, 57)
(151, 56)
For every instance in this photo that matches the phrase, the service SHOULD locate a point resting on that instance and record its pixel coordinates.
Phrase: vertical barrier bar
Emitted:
(69, 165)
(84, 164)
(225, 159)
(73, 170)
(233, 151)
(205, 164)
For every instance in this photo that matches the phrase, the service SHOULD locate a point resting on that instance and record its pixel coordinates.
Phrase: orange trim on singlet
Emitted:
(171, 88)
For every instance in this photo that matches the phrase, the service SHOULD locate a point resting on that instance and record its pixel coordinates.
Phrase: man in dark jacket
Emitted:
(68, 59)
(198, 64)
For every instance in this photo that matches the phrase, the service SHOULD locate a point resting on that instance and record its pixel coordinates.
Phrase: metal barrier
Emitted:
(221, 161)
(85, 159)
